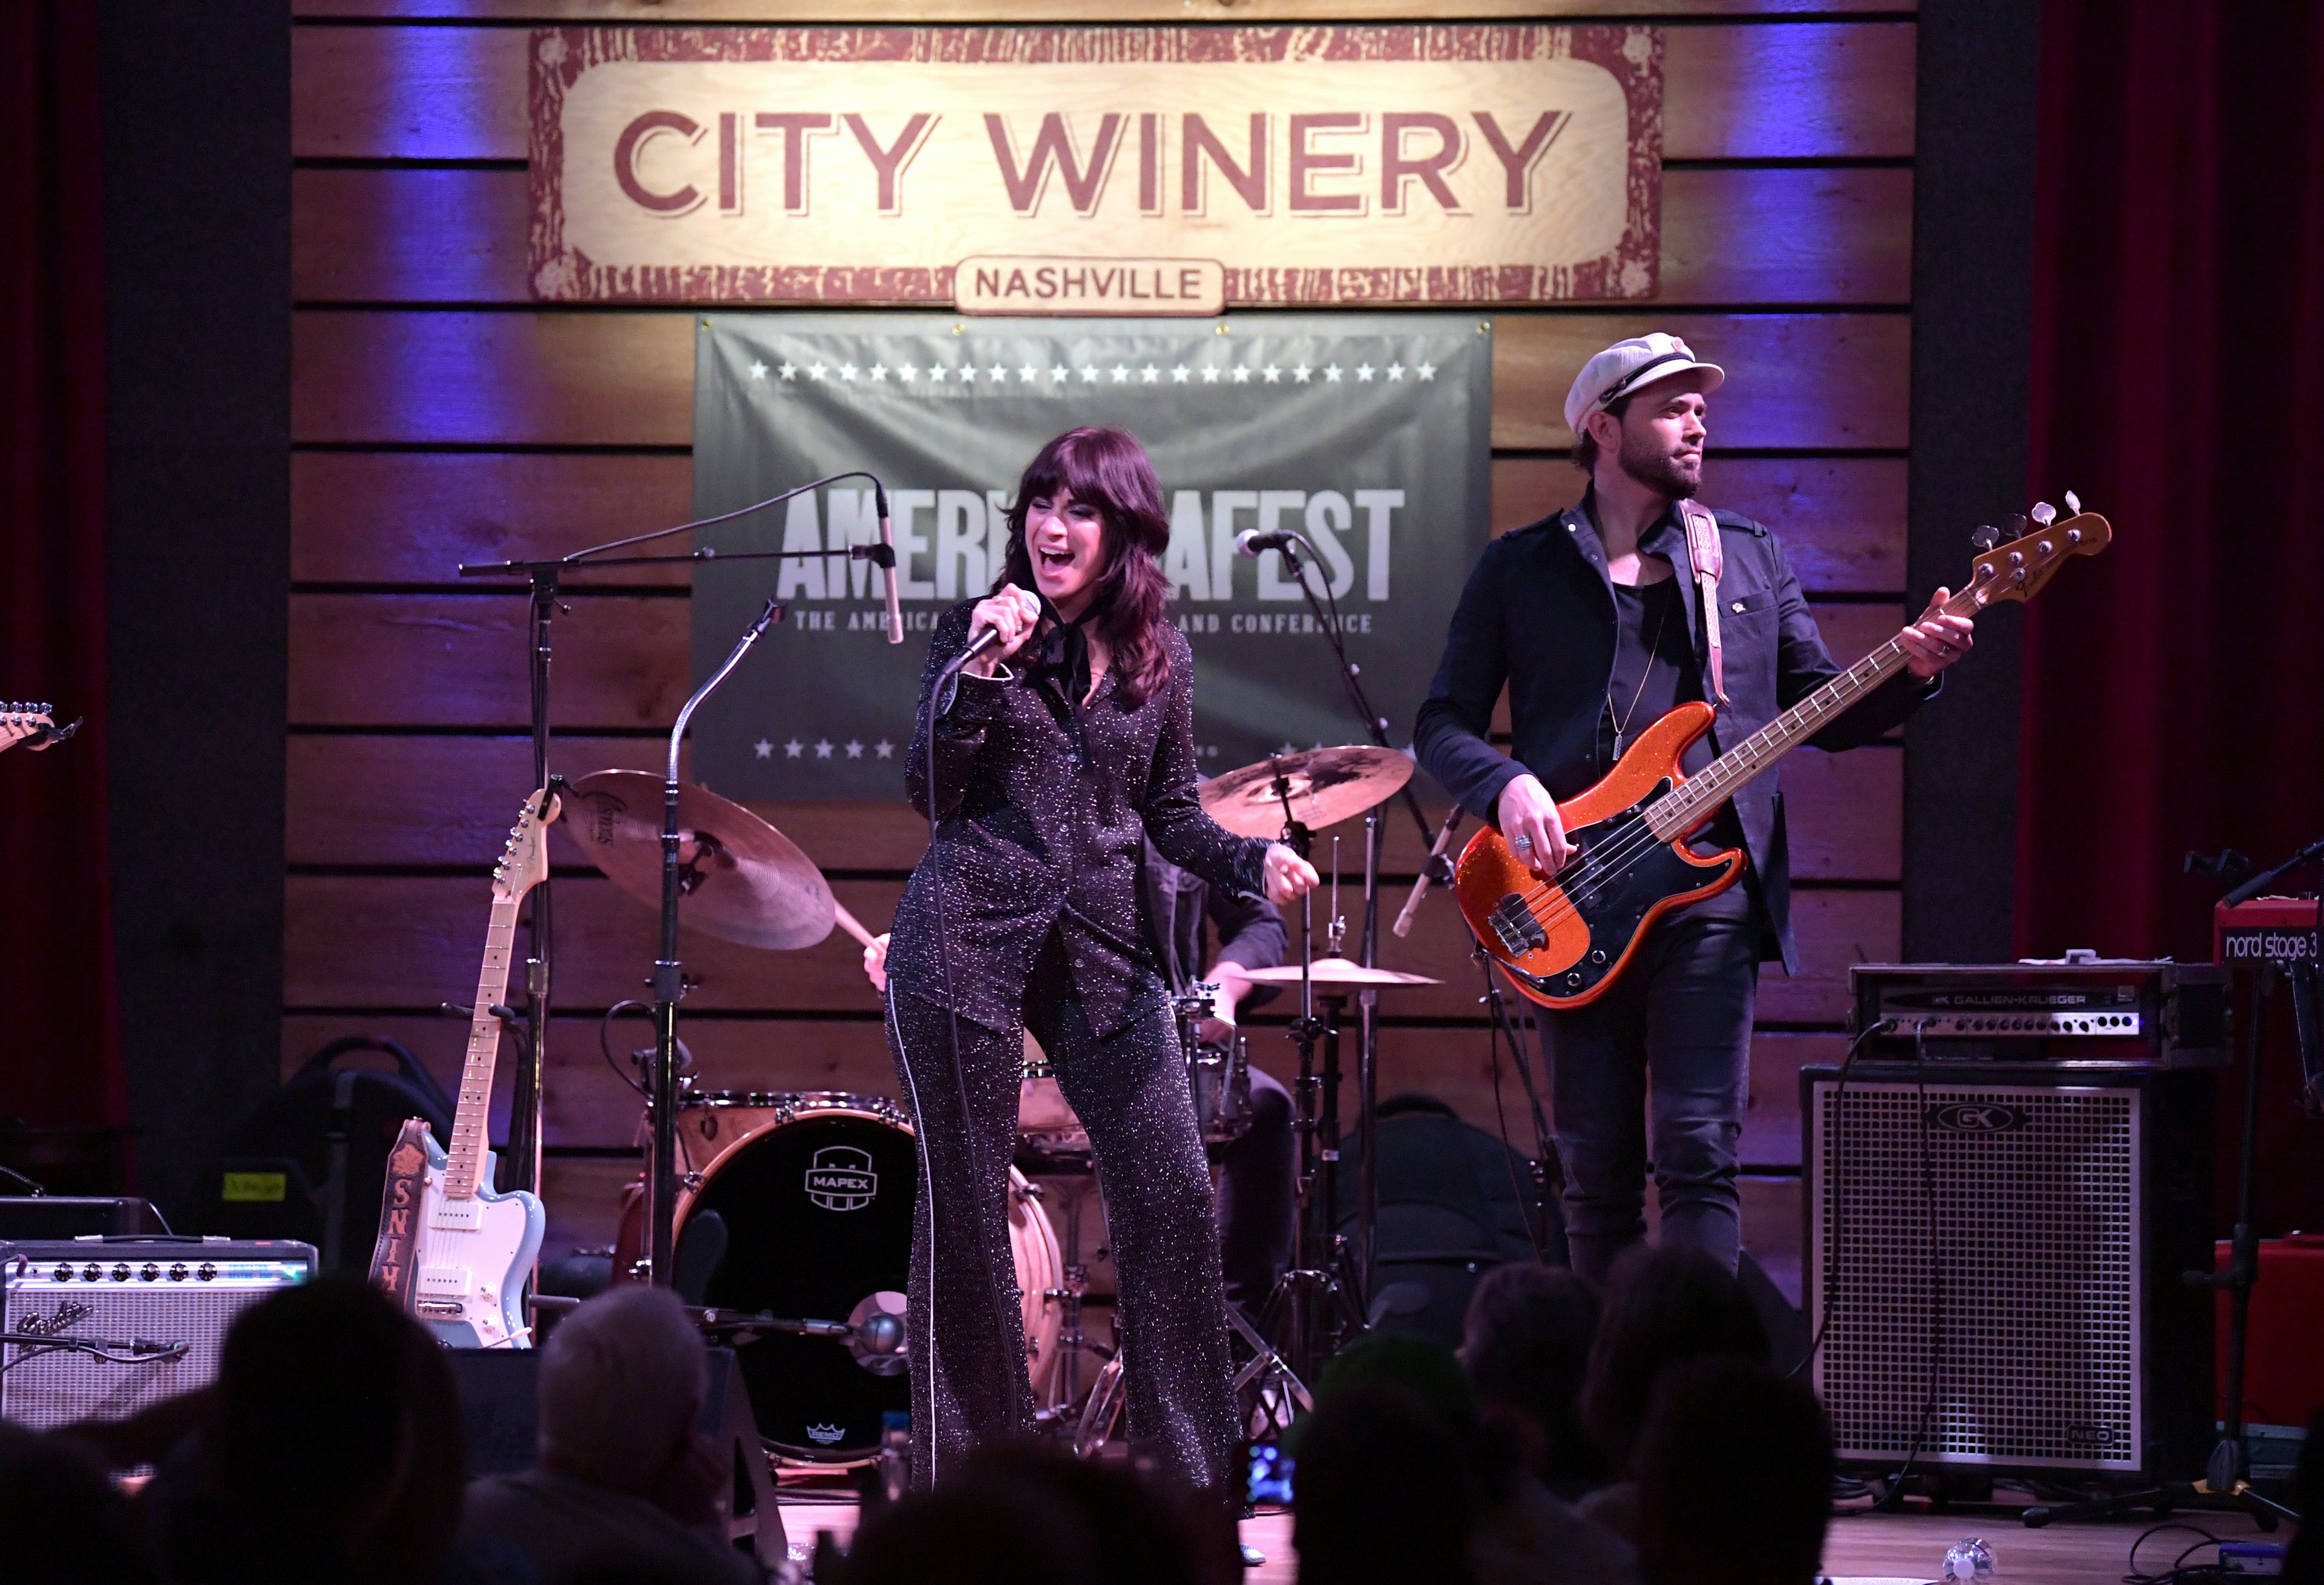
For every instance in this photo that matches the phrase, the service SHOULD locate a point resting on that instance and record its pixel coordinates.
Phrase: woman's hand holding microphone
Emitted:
(1012, 615)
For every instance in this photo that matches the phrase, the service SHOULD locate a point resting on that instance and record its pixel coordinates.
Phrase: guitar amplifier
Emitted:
(2078, 1012)
(1994, 1260)
(134, 1319)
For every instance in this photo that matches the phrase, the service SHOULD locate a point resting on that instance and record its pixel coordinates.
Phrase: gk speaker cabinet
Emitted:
(1994, 1258)
(118, 1310)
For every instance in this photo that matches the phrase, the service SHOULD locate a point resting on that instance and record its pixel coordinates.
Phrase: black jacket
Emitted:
(1538, 614)
(1045, 810)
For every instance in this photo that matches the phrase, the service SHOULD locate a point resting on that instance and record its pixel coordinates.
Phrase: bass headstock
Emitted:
(2018, 570)
(524, 862)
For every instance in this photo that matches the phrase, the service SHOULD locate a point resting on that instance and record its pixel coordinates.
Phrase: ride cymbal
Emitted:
(739, 877)
(1336, 972)
(1324, 786)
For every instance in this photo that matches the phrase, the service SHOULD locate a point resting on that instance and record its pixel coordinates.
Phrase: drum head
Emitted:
(818, 1212)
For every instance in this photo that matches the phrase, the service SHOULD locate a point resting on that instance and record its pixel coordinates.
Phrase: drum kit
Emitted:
(792, 1227)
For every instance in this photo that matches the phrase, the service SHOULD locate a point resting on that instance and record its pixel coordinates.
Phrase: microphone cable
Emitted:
(926, 730)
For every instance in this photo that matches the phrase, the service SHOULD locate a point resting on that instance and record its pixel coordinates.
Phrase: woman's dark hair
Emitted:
(1663, 1307)
(1585, 444)
(1110, 470)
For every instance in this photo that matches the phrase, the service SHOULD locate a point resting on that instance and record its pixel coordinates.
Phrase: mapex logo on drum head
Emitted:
(840, 1178)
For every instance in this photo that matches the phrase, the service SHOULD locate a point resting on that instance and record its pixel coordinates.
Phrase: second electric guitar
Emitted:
(476, 1245)
(1562, 942)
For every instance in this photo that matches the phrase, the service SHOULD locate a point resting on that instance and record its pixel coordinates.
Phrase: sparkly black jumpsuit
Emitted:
(1045, 806)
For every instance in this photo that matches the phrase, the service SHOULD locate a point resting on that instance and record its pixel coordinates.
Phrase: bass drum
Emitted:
(816, 1193)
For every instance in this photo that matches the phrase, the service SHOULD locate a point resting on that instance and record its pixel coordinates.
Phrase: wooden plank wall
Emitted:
(439, 415)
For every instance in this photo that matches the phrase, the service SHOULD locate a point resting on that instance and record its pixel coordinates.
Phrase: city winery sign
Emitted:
(1096, 170)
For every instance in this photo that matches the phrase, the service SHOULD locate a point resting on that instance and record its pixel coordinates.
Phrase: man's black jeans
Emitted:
(1675, 1030)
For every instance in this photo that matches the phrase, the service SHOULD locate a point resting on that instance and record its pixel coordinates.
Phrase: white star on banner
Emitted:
(1028, 374)
(1242, 374)
(1209, 374)
(884, 748)
(793, 748)
(815, 371)
(1057, 375)
(936, 373)
(1000, 374)
(879, 373)
(823, 748)
(1150, 376)
(908, 373)
(1395, 371)
(854, 749)
(847, 373)
(1089, 373)
(763, 749)
(1332, 372)
(1301, 373)
(1426, 371)
(1287, 749)
(1178, 375)
(1271, 374)
(1120, 374)
(789, 369)
(758, 369)
(1364, 372)
(965, 373)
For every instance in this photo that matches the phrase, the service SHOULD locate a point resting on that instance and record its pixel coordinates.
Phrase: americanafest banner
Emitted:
(1461, 162)
(1370, 435)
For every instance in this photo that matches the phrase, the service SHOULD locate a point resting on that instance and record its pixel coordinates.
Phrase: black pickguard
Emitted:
(1621, 873)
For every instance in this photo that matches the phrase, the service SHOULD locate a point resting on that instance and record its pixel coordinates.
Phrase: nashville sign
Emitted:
(1138, 171)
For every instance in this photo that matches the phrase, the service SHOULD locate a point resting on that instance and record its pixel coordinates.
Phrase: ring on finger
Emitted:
(1522, 842)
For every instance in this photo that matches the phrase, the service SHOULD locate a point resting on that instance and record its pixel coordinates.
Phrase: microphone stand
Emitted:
(1368, 1000)
(521, 1160)
(669, 981)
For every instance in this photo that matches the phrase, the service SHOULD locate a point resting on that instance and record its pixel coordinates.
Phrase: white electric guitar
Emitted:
(473, 1246)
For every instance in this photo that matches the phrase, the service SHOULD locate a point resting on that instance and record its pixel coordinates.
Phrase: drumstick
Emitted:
(850, 922)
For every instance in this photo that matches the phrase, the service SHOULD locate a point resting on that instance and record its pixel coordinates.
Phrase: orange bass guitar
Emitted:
(1564, 942)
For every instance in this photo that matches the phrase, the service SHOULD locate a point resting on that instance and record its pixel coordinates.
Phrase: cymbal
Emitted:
(1327, 787)
(741, 879)
(1336, 972)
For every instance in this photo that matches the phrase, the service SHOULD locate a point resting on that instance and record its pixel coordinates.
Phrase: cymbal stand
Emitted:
(1309, 1300)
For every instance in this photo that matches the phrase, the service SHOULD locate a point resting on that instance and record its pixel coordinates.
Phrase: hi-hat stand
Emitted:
(521, 1159)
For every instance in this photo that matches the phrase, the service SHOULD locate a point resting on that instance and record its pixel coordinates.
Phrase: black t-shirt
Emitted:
(1655, 672)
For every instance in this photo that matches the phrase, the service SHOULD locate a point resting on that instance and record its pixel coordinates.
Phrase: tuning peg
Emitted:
(1985, 539)
(2043, 513)
(2073, 504)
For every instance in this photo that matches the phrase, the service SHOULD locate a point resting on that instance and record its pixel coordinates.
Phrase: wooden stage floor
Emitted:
(1885, 1547)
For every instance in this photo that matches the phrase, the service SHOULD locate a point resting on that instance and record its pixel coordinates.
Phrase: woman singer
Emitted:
(1048, 762)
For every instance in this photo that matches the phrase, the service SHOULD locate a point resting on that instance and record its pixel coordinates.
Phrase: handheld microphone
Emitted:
(1436, 869)
(1251, 541)
(890, 572)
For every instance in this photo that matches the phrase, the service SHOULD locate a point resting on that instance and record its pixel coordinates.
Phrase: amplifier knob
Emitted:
(205, 1271)
(63, 1273)
(150, 1273)
(90, 1272)
(121, 1272)
(178, 1272)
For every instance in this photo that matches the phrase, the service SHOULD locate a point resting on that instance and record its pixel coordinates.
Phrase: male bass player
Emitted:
(1595, 619)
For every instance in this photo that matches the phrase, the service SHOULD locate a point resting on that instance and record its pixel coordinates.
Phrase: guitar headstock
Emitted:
(2018, 569)
(19, 721)
(524, 862)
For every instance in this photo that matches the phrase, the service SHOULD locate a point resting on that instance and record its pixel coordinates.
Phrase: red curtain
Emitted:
(2174, 686)
(60, 1046)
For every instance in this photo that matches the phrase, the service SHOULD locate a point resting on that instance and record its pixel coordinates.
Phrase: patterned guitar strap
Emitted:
(1702, 549)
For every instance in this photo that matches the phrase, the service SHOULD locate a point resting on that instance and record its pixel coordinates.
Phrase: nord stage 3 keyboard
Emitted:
(2084, 1012)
